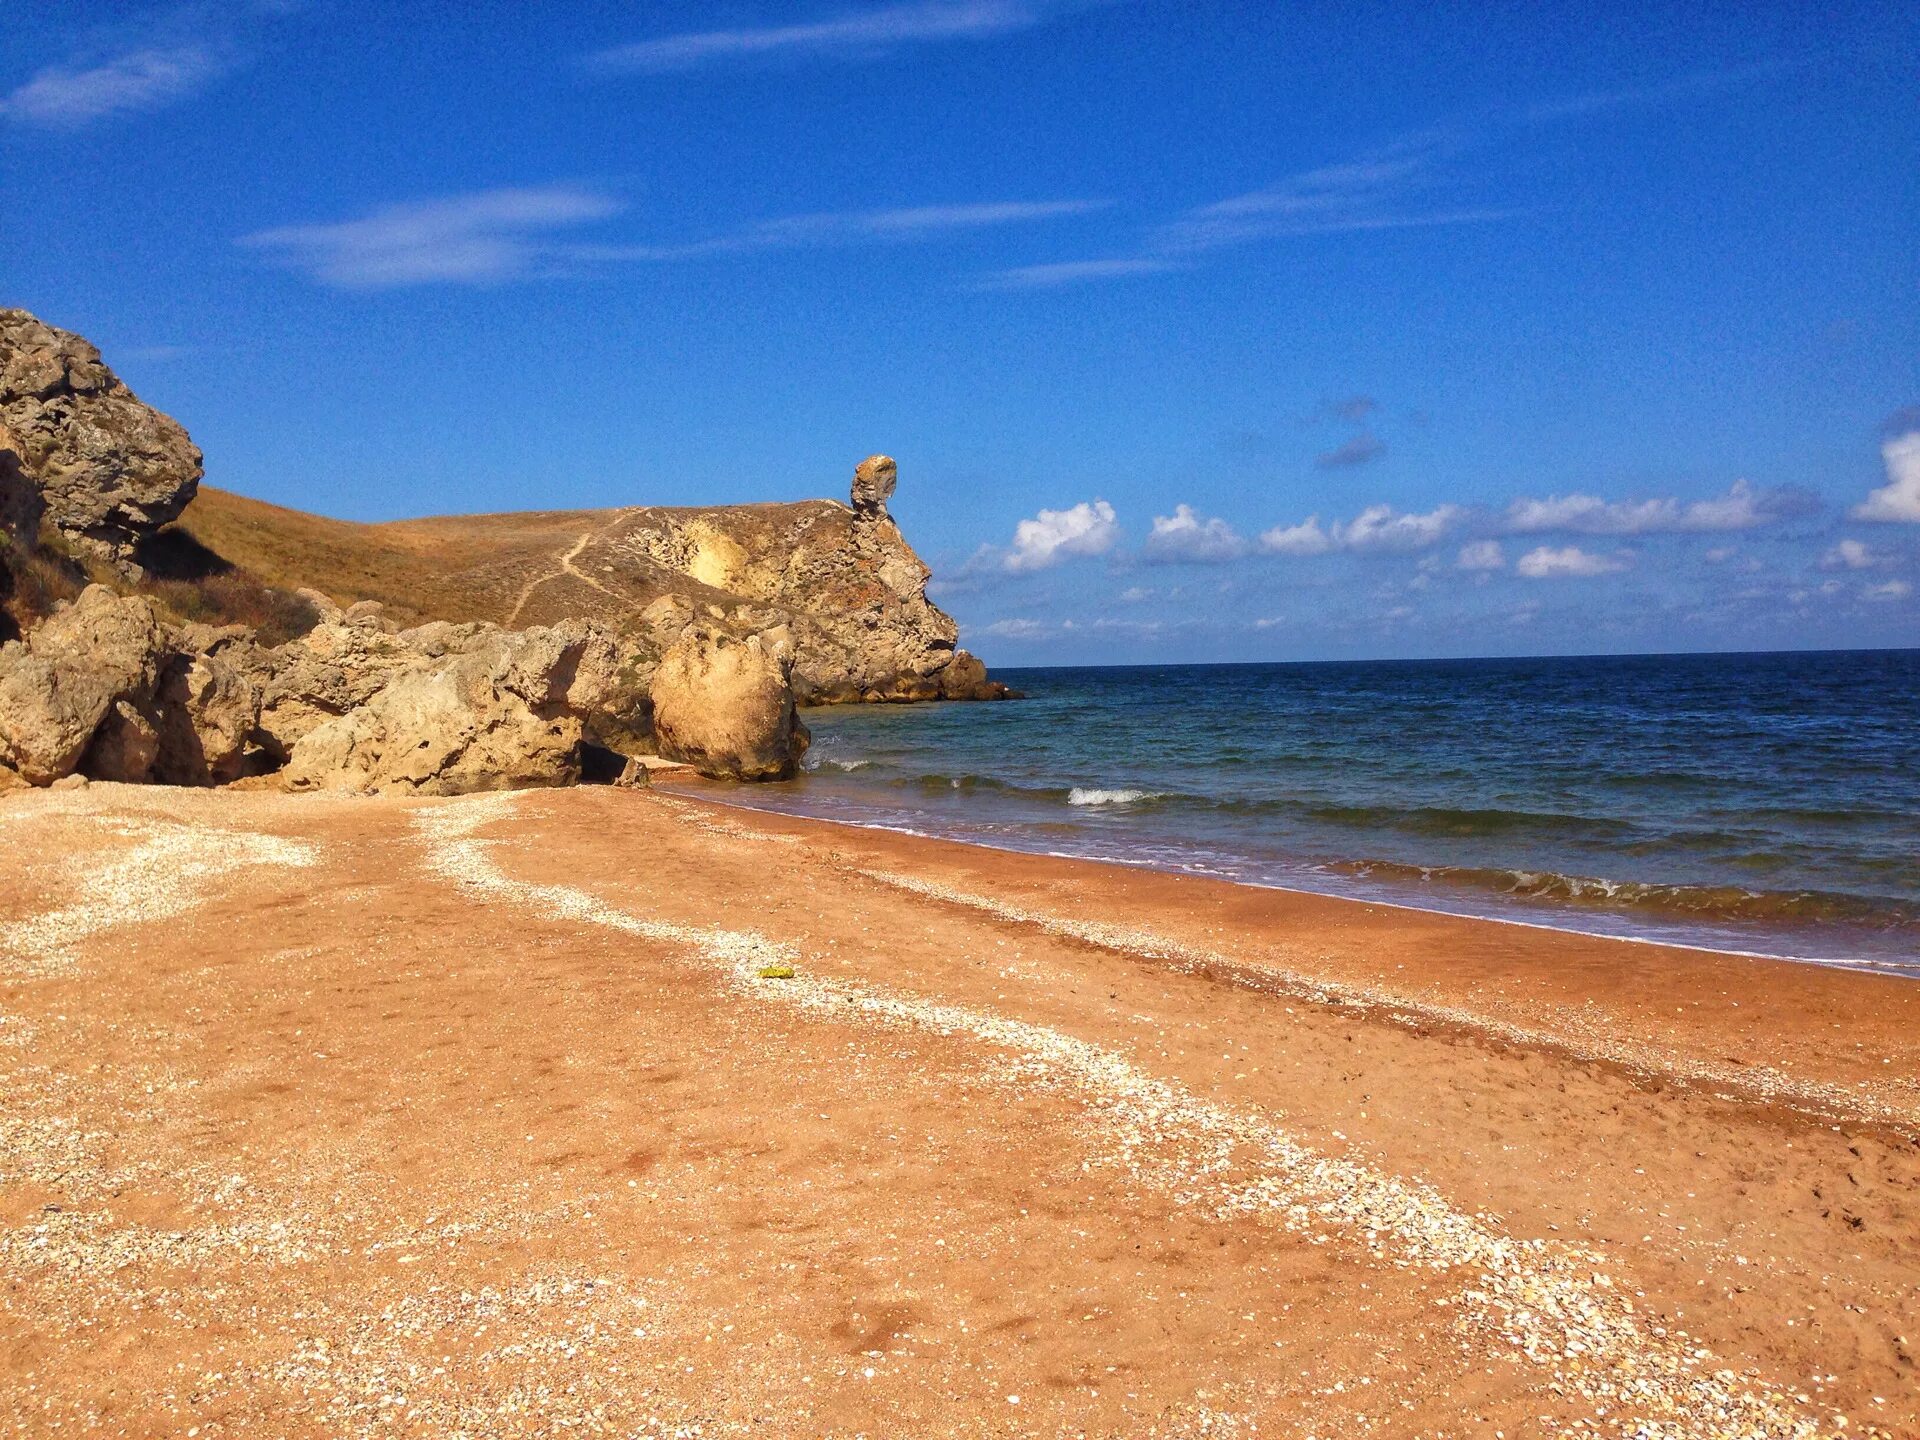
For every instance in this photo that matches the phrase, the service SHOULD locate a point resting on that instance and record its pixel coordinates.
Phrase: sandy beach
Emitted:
(340, 1116)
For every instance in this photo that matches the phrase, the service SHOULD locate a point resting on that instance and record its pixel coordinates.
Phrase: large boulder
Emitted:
(508, 711)
(341, 664)
(109, 469)
(208, 707)
(97, 658)
(724, 705)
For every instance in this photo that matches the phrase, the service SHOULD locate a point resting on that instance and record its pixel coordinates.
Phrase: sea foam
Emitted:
(1085, 796)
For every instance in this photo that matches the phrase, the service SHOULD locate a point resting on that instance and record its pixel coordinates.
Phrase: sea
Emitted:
(1765, 804)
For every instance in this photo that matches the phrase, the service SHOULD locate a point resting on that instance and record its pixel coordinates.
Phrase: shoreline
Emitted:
(1663, 969)
(351, 1115)
(1908, 970)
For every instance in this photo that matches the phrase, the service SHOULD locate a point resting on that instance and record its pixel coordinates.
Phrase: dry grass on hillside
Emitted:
(187, 584)
(452, 568)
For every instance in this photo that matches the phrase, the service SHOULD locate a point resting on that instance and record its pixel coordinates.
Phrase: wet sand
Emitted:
(326, 1116)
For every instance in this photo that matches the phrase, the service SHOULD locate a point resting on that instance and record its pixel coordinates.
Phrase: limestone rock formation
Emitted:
(108, 468)
(873, 482)
(98, 658)
(208, 708)
(839, 576)
(341, 664)
(508, 712)
(725, 705)
(20, 502)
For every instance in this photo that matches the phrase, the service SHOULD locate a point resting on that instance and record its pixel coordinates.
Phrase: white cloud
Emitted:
(1074, 272)
(1482, 555)
(1741, 508)
(495, 235)
(1018, 628)
(1547, 563)
(1378, 527)
(1899, 499)
(1184, 535)
(1381, 527)
(1306, 538)
(1134, 594)
(479, 238)
(68, 97)
(1891, 590)
(1851, 555)
(791, 232)
(862, 35)
(1088, 528)
(1380, 191)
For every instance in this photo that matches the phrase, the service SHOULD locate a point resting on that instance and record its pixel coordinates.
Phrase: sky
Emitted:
(1201, 331)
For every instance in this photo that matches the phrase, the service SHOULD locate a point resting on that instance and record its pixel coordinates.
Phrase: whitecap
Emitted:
(1087, 796)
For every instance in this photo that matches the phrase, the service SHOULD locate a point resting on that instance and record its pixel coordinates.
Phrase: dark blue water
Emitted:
(1760, 803)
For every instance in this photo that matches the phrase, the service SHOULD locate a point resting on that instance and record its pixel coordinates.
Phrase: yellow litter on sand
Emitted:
(776, 972)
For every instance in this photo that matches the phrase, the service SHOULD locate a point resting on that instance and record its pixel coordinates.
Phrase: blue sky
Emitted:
(1200, 331)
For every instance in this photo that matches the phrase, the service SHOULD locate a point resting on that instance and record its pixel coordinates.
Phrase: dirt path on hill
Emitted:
(564, 566)
(325, 1116)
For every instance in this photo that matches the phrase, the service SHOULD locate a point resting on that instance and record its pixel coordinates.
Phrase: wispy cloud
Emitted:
(859, 35)
(1695, 85)
(492, 236)
(1481, 555)
(476, 239)
(73, 96)
(1398, 186)
(1074, 272)
(1390, 189)
(853, 227)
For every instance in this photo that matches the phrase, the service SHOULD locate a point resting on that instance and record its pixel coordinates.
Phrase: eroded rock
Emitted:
(873, 482)
(507, 712)
(209, 711)
(725, 705)
(60, 683)
(108, 468)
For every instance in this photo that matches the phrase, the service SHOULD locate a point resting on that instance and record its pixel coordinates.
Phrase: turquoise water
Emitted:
(1768, 804)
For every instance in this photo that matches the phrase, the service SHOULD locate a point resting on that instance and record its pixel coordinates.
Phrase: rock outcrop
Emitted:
(839, 576)
(20, 502)
(873, 482)
(108, 469)
(509, 712)
(725, 705)
(690, 633)
(76, 692)
(208, 704)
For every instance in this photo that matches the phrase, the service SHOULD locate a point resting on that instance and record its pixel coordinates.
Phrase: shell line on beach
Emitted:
(1755, 1082)
(1548, 1302)
(167, 874)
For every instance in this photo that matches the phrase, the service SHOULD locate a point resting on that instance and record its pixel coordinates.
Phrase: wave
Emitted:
(1086, 796)
(1698, 902)
(1441, 820)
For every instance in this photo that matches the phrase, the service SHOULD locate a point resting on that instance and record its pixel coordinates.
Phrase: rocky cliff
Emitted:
(840, 577)
(437, 655)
